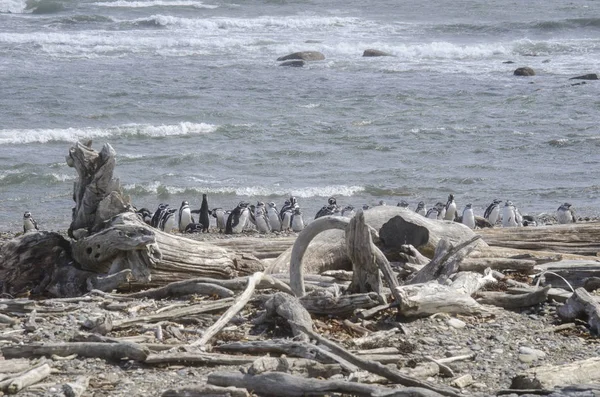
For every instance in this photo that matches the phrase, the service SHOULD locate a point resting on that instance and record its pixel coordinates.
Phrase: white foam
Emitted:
(13, 6)
(63, 177)
(74, 134)
(154, 3)
(252, 191)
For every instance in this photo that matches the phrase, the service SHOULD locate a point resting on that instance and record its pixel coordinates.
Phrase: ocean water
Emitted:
(191, 97)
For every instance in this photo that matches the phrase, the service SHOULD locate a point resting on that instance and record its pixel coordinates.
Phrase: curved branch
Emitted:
(304, 238)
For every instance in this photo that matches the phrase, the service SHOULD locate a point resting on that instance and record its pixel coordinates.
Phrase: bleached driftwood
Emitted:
(93, 191)
(568, 273)
(529, 297)
(445, 260)
(232, 311)
(581, 305)
(480, 264)
(27, 378)
(277, 346)
(289, 308)
(421, 300)
(549, 376)
(206, 390)
(294, 366)
(108, 351)
(295, 386)
(576, 238)
(77, 388)
(324, 303)
(198, 358)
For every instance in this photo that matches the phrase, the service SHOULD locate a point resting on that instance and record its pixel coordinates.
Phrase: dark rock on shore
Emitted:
(375, 53)
(296, 64)
(303, 55)
(524, 71)
(591, 76)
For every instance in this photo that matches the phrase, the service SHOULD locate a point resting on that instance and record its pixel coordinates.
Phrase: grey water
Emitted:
(191, 97)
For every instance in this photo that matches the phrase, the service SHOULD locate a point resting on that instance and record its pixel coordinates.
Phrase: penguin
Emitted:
(145, 215)
(204, 218)
(289, 204)
(421, 209)
(381, 202)
(468, 217)
(365, 207)
(158, 214)
(450, 208)
(169, 221)
(274, 217)
(252, 218)
(330, 209)
(509, 216)
(185, 216)
(565, 214)
(29, 223)
(492, 212)
(286, 221)
(348, 211)
(236, 222)
(432, 213)
(262, 221)
(296, 220)
(219, 215)
(194, 228)
(436, 211)
(403, 204)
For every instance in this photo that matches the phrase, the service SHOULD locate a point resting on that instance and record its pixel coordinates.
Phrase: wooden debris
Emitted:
(549, 376)
(530, 297)
(294, 386)
(30, 377)
(107, 351)
(206, 390)
(582, 304)
(198, 358)
(232, 311)
(77, 388)
(426, 299)
(568, 274)
(378, 368)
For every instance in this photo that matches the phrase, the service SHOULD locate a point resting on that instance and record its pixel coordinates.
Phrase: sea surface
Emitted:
(190, 95)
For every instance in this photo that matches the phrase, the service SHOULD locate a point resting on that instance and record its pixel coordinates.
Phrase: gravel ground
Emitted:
(504, 342)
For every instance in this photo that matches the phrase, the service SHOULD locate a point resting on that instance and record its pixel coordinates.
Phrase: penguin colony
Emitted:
(267, 218)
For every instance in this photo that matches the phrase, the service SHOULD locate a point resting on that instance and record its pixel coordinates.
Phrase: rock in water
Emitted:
(525, 71)
(303, 55)
(591, 76)
(375, 53)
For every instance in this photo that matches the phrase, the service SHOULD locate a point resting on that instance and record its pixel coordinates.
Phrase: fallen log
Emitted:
(576, 238)
(276, 346)
(549, 376)
(325, 303)
(107, 351)
(530, 297)
(420, 300)
(26, 379)
(280, 384)
(206, 391)
(568, 273)
(198, 358)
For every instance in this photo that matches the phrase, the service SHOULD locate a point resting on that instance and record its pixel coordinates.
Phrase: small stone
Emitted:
(479, 385)
(427, 340)
(527, 358)
(462, 381)
(498, 351)
(476, 347)
(532, 351)
(456, 323)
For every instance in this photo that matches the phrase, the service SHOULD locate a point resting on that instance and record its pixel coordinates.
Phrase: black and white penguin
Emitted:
(468, 217)
(365, 207)
(509, 215)
(403, 204)
(450, 214)
(421, 209)
(289, 204)
(330, 209)
(286, 220)
(145, 215)
(185, 216)
(348, 211)
(204, 218)
(296, 220)
(492, 212)
(158, 214)
(437, 211)
(274, 217)
(221, 217)
(29, 223)
(382, 202)
(169, 221)
(565, 214)
(260, 216)
(194, 228)
(238, 218)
